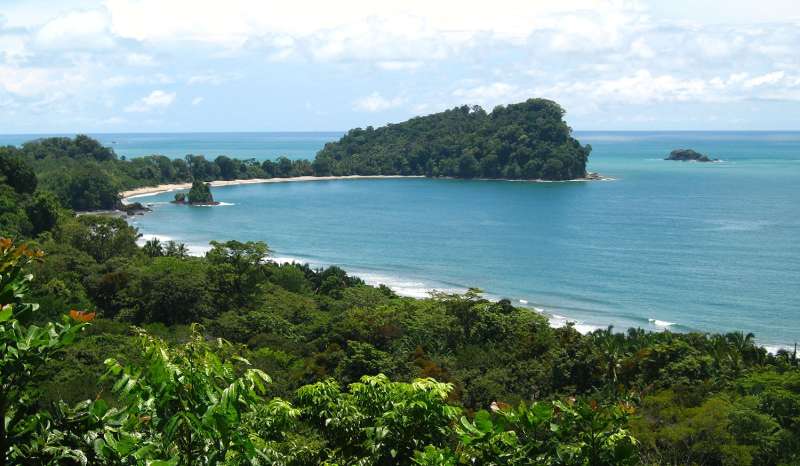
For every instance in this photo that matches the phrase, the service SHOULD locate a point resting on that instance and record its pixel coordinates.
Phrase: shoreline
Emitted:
(418, 288)
(165, 188)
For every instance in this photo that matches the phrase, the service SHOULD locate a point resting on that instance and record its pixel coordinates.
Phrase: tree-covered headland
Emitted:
(528, 140)
(112, 353)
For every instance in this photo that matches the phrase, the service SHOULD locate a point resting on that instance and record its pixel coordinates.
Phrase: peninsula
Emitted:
(524, 141)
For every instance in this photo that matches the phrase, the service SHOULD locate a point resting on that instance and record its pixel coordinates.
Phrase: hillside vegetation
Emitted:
(145, 355)
(528, 140)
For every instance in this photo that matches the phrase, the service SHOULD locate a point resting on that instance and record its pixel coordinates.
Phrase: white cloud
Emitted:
(376, 103)
(197, 100)
(67, 56)
(156, 100)
(212, 79)
(644, 87)
(142, 79)
(40, 82)
(78, 30)
(140, 59)
(395, 65)
(767, 79)
(489, 95)
(412, 30)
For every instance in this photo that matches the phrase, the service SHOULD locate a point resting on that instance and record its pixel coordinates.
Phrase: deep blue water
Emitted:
(709, 247)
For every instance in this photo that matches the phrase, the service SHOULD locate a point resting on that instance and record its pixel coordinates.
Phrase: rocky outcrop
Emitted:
(689, 155)
(134, 208)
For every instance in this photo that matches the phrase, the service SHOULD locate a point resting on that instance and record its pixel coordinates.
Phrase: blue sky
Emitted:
(245, 65)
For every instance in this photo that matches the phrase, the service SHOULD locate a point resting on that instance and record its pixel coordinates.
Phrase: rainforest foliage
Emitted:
(528, 140)
(147, 355)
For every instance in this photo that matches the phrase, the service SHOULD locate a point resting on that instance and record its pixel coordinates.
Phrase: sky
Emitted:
(246, 65)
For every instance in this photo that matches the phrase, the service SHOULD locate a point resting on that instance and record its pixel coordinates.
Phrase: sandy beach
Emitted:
(163, 188)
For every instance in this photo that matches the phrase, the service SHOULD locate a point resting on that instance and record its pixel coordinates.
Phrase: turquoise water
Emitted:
(685, 246)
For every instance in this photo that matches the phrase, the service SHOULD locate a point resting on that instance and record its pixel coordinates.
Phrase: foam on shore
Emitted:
(415, 288)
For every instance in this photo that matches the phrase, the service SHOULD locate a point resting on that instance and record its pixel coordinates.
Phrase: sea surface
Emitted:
(667, 245)
(259, 146)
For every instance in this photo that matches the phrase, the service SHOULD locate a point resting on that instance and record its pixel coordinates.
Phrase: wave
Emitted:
(773, 349)
(196, 250)
(421, 289)
(219, 204)
(737, 225)
(558, 321)
(147, 237)
(411, 288)
(661, 323)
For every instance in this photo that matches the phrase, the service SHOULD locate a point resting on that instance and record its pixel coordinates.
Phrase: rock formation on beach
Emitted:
(199, 194)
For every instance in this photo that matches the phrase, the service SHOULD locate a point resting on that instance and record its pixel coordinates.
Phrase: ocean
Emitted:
(684, 246)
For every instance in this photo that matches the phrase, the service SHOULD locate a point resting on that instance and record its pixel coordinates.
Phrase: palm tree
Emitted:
(743, 345)
(721, 351)
(153, 248)
(613, 351)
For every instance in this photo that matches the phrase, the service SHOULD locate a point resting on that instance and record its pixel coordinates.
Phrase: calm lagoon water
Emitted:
(685, 246)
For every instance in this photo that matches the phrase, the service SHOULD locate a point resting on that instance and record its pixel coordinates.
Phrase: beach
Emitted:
(163, 188)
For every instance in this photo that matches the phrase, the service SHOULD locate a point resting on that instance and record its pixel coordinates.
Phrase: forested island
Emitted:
(199, 194)
(114, 353)
(528, 140)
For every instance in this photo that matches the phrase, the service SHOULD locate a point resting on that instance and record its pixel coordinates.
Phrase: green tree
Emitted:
(100, 236)
(200, 193)
(236, 271)
(43, 212)
(169, 290)
(17, 172)
(185, 405)
(24, 348)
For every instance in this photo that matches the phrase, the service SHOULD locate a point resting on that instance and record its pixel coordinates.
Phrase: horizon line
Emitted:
(63, 133)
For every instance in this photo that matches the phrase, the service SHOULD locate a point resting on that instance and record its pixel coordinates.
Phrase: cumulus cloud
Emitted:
(140, 59)
(377, 103)
(489, 95)
(211, 78)
(587, 54)
(78, 30)
(156, 100)
(644, 87)
(396, 65)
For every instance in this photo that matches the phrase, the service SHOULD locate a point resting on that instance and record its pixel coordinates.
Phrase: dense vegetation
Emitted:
(230, 358)
(83, 175)
(529, 140)
(200, 193)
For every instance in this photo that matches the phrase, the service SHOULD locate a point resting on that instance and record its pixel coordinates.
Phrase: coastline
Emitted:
(164, 188)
